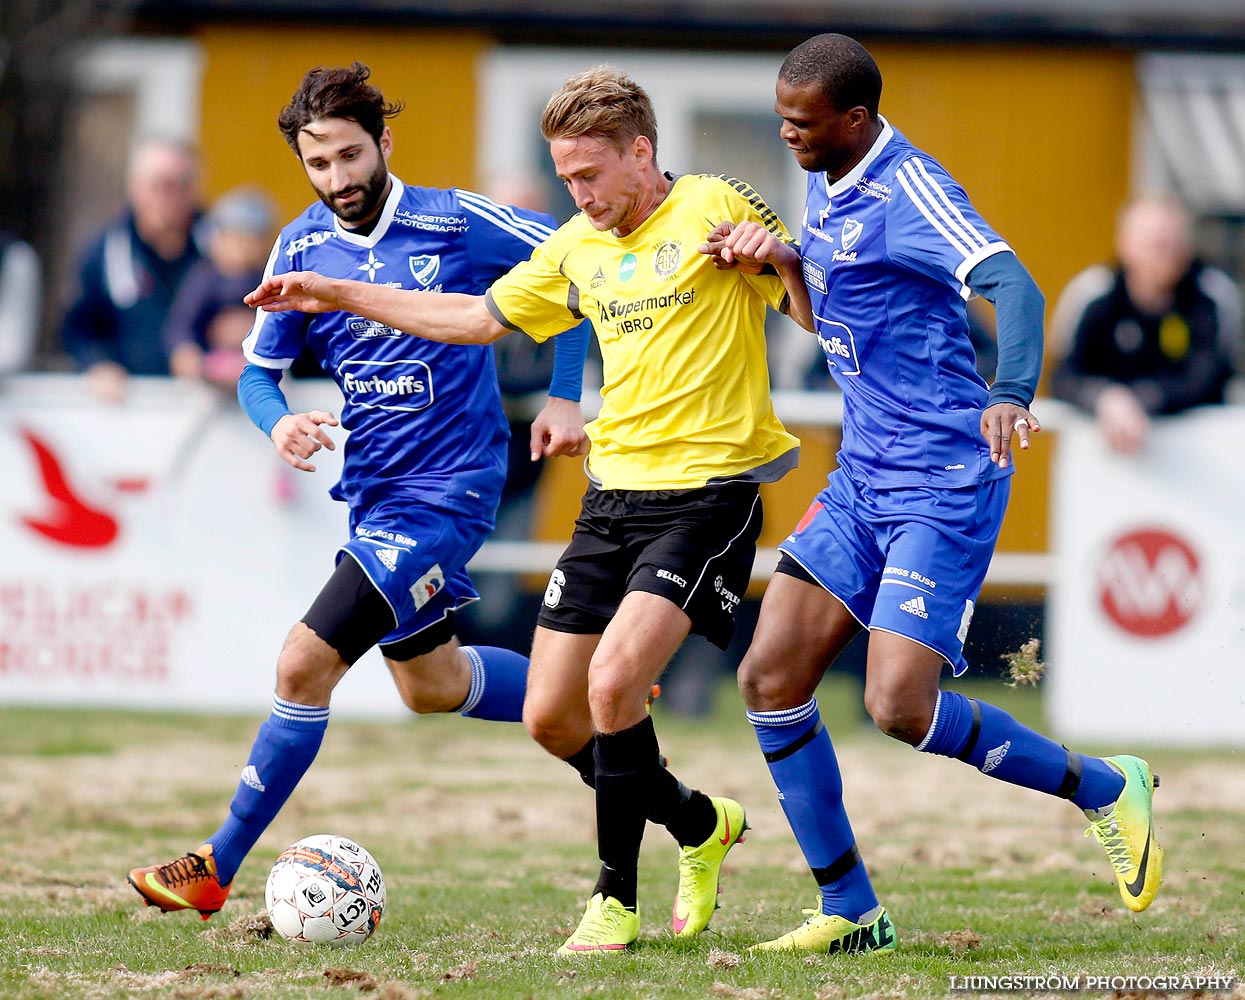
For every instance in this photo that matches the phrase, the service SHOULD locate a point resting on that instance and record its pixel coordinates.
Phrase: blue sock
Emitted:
(996, 744)
(284, 748)
(498, 684)
(802, 763)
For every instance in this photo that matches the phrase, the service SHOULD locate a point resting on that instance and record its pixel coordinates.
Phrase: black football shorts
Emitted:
(693, 547)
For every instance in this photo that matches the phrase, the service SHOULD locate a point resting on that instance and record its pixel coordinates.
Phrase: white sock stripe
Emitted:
(298, 713)
(785, 716)
(293, 706)
(933, 725)
(476, 691)
(289, 717)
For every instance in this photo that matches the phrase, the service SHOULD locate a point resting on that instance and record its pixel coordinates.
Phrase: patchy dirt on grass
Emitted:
(243, 929)
(439, 783)
(365, 982)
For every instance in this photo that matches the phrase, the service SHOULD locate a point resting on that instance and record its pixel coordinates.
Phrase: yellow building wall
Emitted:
(252, 71)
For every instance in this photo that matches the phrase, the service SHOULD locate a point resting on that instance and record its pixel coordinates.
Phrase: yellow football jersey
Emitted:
(685, 399)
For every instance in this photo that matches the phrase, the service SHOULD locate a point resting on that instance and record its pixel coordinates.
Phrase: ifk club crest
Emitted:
(852, 229)
(425, 268)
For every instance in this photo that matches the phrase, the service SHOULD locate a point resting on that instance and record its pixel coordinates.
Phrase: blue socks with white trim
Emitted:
(284, 748)
(498, 684)
(996, 744)
(802, 763)
(290, 738)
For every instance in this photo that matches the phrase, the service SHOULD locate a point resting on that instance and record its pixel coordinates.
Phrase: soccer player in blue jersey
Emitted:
(899, 541)
(424, 463)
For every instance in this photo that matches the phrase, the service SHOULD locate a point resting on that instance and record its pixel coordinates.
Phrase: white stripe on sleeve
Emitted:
(504, 218)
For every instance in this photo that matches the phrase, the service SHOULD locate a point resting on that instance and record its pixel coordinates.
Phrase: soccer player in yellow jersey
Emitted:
(687, 433)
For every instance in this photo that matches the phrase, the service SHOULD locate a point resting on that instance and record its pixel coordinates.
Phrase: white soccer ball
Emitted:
(325, 890)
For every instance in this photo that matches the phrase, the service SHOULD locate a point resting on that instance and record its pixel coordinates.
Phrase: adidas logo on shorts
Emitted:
(389, 557)
(915, 606)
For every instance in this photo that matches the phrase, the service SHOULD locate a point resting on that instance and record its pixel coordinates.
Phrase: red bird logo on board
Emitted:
(67, 518)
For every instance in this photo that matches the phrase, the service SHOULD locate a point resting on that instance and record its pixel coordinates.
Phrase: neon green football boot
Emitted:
(606, 926)
(829, 934)
(1125, 829)
(700, 869)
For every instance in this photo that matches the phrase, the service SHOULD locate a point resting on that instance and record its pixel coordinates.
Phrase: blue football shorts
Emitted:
(416, 555)
(909, 561)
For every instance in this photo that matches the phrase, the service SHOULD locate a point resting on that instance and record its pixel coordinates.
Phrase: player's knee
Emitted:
(308, 668)
(897, 717)
(301, 679)
(550, 730)
(762, 689)
(608, 691)
(542, 728)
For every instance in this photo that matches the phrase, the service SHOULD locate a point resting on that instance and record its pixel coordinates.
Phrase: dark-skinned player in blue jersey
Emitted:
(900, 540)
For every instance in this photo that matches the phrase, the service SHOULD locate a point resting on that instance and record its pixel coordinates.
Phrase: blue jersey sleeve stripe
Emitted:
(936, 213)
(248, 346)
(937, 199)
(504, 218)
(272, 257)
(951, 206)
(906, 183)
(537, 226)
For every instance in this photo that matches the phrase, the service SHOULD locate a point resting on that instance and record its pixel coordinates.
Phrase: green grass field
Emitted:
(488, 851)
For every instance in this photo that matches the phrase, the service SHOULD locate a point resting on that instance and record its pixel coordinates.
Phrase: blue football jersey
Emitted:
(425, 419)
(886, 250)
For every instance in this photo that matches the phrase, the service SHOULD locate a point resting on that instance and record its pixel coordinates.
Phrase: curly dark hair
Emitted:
(336, 92)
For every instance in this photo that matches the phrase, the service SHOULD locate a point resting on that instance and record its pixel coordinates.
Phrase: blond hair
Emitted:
(601, 103)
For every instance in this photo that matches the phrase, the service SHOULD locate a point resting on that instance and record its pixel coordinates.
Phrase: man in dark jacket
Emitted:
(1157, 334)
(131, 271)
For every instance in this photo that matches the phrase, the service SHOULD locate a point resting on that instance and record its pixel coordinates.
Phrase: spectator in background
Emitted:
(208, 320)
(21, 285)
(1156, 334)
(131, 271)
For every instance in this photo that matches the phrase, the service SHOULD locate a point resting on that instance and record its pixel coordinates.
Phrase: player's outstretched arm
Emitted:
(749, 246)
(448, 317)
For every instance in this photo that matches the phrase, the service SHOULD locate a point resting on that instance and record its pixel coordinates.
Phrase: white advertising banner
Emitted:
(1146, 612)
(155, 554)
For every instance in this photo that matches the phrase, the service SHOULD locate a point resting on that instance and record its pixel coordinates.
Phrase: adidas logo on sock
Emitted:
(915, 606)
(250, 778)
(995, 757)
(389, 557)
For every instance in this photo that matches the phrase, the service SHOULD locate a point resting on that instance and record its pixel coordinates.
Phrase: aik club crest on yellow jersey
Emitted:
(667, 256)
